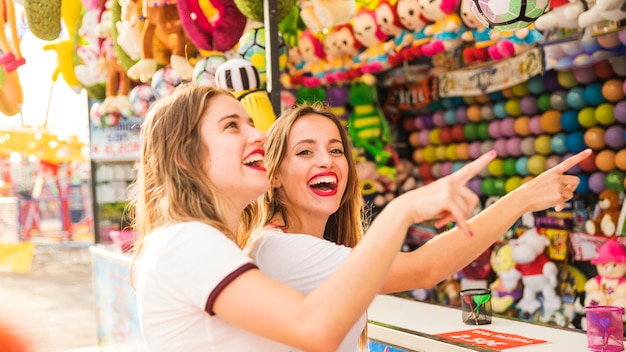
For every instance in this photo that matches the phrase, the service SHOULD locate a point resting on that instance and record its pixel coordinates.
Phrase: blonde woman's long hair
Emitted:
(171, 184)
(346, 225)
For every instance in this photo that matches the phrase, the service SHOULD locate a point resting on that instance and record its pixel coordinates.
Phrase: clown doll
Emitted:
(313, 57)
(481, 36)
(447, 28)
(412, 19)
(389, 23)
(373, 57)
(345, 47)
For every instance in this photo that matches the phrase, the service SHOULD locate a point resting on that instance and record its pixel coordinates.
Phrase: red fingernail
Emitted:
(470, 234)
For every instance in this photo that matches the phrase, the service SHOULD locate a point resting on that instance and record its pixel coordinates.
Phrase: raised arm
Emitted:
(451, 251)
(321, 319)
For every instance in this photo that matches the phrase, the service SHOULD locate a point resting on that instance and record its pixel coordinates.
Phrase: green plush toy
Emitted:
(44, 18)
(253, 9)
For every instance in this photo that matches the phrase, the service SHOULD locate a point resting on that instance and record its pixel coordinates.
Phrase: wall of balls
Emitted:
(532, 126)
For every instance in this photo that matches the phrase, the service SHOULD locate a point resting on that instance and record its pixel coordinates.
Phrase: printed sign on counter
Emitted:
(121, 142)
(491, 339)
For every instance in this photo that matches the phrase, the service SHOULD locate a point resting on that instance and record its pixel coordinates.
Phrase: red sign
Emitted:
(491, 339)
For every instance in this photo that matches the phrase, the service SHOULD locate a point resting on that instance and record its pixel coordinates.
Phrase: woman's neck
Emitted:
(308, 226)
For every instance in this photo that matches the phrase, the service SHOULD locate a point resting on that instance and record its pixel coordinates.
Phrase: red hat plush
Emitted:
(610, 251)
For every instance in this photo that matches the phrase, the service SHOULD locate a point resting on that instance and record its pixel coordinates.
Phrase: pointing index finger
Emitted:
(572, 161)
(470, 170)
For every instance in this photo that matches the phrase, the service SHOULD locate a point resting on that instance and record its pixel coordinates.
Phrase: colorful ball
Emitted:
(575, 98)
(507, 127)
(486, 146)
(542, 144)
(593, 94)
(461, 115)
(462, 151)
(509, 166)
(528, 105)
(603, 69)
(475, 185)
(440, 152)
(141, 97)
(583, 185)
(569, 120)
(576, 141)
(535, 125)
(500, 147)
(535, 85)
(585, 75)
(473, 113)
(604, 114)
(587, 117)
(597, 182)
(469, 130)
(550, 81)
(512, 107)
(486, 111)
(558, 100)
(594, 138)
(619, 111)
(495, 167)
(589, 163)
(558, 143)
(428, 154)
(451, 152)
(426, 170)
(528, 145)
(605, 160)
(615, 181)
(543, 102)
(552, 161)
(433, 136)
(499, 109)
(615, 137)
(482, 130)
(520, 90)
(521, 126)
(436, 170)
(521, 166)
(612, 90)
(423, 137)
(536, 164)
(566, 78)
(457, 133)
(620, 160)
(164, 81)
(474, 150)
(446, 168)
(514, 146)
(494, 129)
(512, 183)
(413, 139)
(204, 70)
(251, 47)
(551, 121)
(439, 118)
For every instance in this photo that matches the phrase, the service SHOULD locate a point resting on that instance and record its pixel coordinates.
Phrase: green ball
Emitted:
(615, 181)
(509, 167)
(487, 186)
(483, 131)
(253, 9)
(544, 102)
(499, 186)
(470, 131)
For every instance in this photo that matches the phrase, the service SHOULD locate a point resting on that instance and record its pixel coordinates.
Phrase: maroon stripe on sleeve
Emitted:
(227, 280)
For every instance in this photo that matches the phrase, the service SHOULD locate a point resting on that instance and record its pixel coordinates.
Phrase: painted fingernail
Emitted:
(470, 234)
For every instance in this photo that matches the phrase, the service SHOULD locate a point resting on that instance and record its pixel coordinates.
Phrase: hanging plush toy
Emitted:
(161, 16)
(612, 10)
(411, 17)
(389, 23)
(516, 42)
(447, 27)
(562, 14)
(242, 79)
(11, 96)
(373, 58)
(507, 288)
(217, 25)
(314, 60)
(481, 36)
(320, 14)
(344, 67)
(367, 126)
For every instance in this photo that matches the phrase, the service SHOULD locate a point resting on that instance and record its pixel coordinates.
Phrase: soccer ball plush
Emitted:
(164, 81)
(252, 48)
(508, 15)
(204, 70)
(141, 97)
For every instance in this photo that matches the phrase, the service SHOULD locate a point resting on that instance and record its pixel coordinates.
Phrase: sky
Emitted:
(66, 111)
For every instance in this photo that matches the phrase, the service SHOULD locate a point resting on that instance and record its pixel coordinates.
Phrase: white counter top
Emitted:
(413, 325)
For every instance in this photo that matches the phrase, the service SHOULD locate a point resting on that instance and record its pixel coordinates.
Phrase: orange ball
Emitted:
(508, 93)
(473, 113)
(414, 139)
(418, 156)
(612, 90)
(483, 98)
(462, 151)
(620, 160)
(594, 138)
(527, 178)
(522, 126)
(551, 121)
(605, 160)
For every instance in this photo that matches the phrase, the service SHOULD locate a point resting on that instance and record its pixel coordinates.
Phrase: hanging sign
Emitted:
(493, 77)
(491, 339)
(121, 142)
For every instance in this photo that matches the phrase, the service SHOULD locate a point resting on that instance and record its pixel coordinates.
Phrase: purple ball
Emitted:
(528, 105)
(494, 129)
(507, 127)
(615, 136)
(474, 185)
(596, 182)
(439, 119)
(514, 146)
(535, 125)
(585, 75)
(576, 169)
(550, 81)
(418, 122)
(461, 114)
(620, 109)
(474, 150)
(500, 146)
(428, 122)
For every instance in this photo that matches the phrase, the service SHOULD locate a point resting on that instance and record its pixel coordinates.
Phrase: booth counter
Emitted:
(396, 324)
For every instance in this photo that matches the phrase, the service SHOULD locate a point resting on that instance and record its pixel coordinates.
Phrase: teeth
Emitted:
(253, 158)
(323, 179)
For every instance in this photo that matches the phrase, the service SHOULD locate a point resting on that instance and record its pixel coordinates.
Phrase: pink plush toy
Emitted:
(312, 52)
(447, 28)
(389, 23)
(481, 36)
(609, 286)
(414, 22)
(343, 68)
(367, 32)
(513, 43)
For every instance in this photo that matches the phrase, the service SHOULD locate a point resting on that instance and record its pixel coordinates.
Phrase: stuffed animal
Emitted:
(337, 99)
(562, 14)
(389, 23)
(373, 57)
(215, 27)
(162, 17)
(609, 286)
(612, 10)
(538, 273)
(476, 273)
(481, 36)
(411, 18)
(513, 43)
(447, 28)
(344, 67)
(314, 63)
(507, 288)
(11, 94)
(367, 126)
(605, 223)
(320, 14)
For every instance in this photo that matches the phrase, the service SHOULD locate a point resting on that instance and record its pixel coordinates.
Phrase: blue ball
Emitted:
(521, 166)
(575, 141)
(559, 143)
(457, 101)
(496, 96)
(576, 98)
(450, 117)
(569, 121)
(457, 165)
(593, 94)
(499, 109)
(535, 85)
(583, 186)
(447, 103)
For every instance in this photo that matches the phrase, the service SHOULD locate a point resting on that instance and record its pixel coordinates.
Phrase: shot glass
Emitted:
(476, 306)
(605, 331)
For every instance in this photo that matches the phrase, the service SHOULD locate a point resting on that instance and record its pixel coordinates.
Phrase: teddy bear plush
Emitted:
(612, 10)
(605, 223)
(609, 286)
(538, 273)
(320, 14)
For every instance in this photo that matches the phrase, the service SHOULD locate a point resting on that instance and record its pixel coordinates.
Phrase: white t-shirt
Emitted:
(183, 270)
(303, 262)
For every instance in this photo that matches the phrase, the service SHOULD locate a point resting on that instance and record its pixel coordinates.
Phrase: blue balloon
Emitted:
(499, 109)
(576, 98)
(569, 121)
(593, 94)
(575, 141)
(559, 143)
(535, 85)
(583, 186)
(521, 166)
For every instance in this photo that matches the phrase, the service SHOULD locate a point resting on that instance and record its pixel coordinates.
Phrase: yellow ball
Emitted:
(512, 183)
(536, 164)
(496, 167)
(451, 152)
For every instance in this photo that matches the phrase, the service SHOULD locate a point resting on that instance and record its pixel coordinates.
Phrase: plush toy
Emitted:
(513, 43)
(612, 10)
(605, 222)
(476, 273)
(241, 78)
(344, 67)
(367, 126)
(11, 95)
(373, 58)
(129, 30)
(337, 99)
(217, 26)
(608, 288)
(538, 273)
(481, 36)
(562, 14)
(161, 16)
(389, 23)
(314, 63)
(447, 28)
(43, 17)
(320, 14)
(507, 288)
(411, 18)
